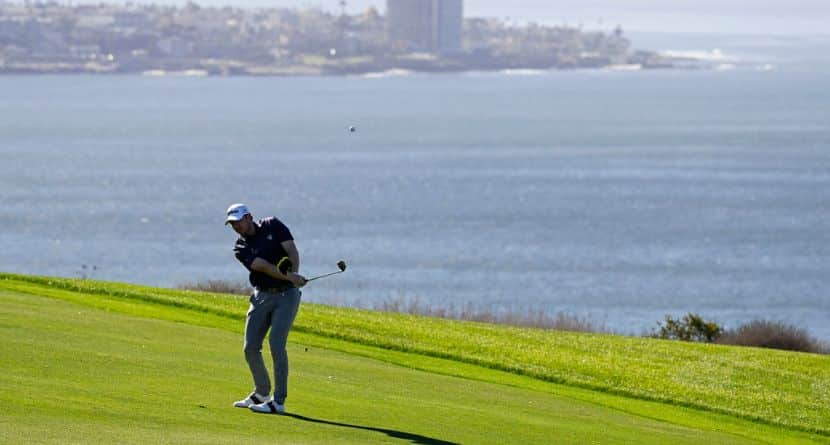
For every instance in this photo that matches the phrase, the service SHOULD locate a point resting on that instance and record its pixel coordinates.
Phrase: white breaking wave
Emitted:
(717, 60)
(715, 55)
(522, 72)
(395, 72)
(185, 73)
(625, 67)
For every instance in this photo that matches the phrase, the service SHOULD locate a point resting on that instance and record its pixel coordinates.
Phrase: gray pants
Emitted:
(275, 311)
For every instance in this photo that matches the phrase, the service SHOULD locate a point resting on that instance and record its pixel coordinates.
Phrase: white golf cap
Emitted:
(236, 212)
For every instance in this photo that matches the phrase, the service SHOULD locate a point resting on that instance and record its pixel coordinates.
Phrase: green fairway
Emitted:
(90, 366)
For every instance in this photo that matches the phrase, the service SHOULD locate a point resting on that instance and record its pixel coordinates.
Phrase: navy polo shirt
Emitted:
(265, 244)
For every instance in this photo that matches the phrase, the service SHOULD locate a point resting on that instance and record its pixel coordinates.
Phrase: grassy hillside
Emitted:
(99, 369)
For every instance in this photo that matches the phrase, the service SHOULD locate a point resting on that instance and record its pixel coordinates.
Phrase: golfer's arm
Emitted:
(293, 255)
(261, 265)
(267, 268)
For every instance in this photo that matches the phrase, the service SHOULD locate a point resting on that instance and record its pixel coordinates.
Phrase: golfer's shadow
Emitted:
(414, 438)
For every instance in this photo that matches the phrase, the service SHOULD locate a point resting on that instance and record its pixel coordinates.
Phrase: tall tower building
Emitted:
(448, 24)
(426, 25)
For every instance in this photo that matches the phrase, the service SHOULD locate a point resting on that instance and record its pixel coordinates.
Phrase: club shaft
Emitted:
(323, 276)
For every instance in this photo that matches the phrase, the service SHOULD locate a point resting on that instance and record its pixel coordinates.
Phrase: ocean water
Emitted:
(618, 196)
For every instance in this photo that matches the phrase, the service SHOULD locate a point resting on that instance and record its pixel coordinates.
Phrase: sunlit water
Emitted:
(620, 196)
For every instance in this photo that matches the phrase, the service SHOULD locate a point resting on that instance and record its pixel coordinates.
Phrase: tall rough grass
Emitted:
(560, 321)
(218, 286)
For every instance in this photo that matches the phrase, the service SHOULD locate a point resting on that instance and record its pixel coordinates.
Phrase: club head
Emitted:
(341, 265)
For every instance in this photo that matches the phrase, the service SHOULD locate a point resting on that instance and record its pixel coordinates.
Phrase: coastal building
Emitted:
(425, 25)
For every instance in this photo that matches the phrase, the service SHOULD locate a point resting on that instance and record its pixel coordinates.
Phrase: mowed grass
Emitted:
(372, 400)
(75, 374)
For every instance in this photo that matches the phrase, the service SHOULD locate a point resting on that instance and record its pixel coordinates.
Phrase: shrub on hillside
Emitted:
(774, 335)
(692, 327)
(218, 286)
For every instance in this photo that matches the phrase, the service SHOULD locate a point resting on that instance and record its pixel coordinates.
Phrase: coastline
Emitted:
(679, 61)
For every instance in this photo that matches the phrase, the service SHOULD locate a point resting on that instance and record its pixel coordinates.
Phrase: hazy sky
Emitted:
(720, 16)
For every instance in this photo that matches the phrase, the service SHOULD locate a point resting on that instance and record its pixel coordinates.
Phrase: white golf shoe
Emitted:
(269, 407)
(251, 400)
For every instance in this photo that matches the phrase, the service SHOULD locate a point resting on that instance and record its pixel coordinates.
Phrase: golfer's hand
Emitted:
(297, 279)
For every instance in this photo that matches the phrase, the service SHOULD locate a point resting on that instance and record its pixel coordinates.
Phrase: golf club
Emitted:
(340, 265)
(284, 265)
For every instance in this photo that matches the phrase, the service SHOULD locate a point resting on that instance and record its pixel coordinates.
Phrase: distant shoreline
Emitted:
(392, 72)
(669, 61)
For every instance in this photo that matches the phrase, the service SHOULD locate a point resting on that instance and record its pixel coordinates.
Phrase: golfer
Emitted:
(274, 302)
